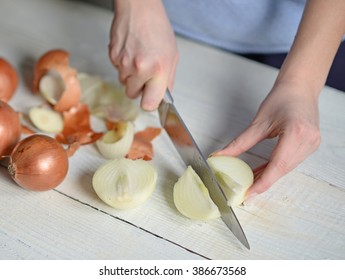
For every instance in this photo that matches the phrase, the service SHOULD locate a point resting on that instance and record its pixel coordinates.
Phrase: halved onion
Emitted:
(124, 183)
(192, 198)
(116, 143)
(234, 176)
(8, 80)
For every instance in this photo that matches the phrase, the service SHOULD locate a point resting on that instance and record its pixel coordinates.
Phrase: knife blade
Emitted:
(190, 153)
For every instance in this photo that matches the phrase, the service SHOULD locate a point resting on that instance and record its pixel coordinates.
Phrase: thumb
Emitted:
(242, 143)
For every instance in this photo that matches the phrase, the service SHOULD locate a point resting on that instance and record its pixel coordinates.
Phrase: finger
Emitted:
(285, 157)
(246, 140)
(134, 86)
(172, 74)
(153, 94)
(125, 68)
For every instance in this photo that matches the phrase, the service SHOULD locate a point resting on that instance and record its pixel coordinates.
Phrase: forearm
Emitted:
(317, 40)
(137, 7)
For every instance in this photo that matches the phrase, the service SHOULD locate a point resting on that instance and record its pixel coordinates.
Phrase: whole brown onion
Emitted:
(8, 80)
(10, 128)
(38, 162)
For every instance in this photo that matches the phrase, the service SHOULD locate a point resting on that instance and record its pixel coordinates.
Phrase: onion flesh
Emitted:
(116, 143)
(234, 176)
(192, 198)
(106, 100)
(51, 86)
(46, 119)
(124, 183)
(38, 162)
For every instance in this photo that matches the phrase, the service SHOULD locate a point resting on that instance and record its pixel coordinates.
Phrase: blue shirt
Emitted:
(243, 26)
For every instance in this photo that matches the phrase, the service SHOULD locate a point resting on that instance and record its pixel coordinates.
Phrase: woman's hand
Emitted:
(143, 50)
(289, 112)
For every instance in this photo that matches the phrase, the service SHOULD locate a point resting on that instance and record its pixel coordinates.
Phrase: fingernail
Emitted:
(250, 198)
(213, 153)
(149, 105)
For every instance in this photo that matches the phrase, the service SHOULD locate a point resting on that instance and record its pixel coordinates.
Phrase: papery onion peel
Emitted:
(51, 69)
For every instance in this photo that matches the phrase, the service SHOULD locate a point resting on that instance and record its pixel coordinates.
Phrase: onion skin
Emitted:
(8, 80)
(10, 128)
(50, 60)
(38, 163)
(58, 60)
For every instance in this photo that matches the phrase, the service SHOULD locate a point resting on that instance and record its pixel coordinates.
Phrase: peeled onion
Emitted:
(234, 176)
(8, 80)
(192, 198)
(38, 163)
(124, 183)
(10, 128)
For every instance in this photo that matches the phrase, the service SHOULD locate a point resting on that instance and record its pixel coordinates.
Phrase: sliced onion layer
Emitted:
(192, 198)
(116, 143)
(106, 100)
(46, 119)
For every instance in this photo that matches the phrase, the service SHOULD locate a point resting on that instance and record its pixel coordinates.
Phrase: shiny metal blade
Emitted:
(191, 155)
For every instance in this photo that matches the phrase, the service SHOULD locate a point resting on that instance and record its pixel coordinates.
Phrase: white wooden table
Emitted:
(301, 217)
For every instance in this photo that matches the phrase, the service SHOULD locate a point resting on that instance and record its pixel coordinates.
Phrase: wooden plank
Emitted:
(300, 217)
(51, 225)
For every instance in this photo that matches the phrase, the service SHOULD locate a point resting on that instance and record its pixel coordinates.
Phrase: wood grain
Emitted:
(301, 217)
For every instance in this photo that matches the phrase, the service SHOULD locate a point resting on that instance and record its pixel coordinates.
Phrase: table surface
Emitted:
(301, 217)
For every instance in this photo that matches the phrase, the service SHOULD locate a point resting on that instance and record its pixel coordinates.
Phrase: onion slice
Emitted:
(116, 143)
(192, 198)
(107, 100)
(46, 119)
(234, 176)
(124, 183)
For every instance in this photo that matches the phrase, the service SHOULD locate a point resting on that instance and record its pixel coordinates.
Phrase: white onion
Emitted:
(192, 198)
(234, 176)
(124, 183)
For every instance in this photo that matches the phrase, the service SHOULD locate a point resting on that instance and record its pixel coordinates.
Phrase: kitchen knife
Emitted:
(191, 155)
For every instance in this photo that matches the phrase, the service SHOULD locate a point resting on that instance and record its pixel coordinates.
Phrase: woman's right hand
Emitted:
(143, 49)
